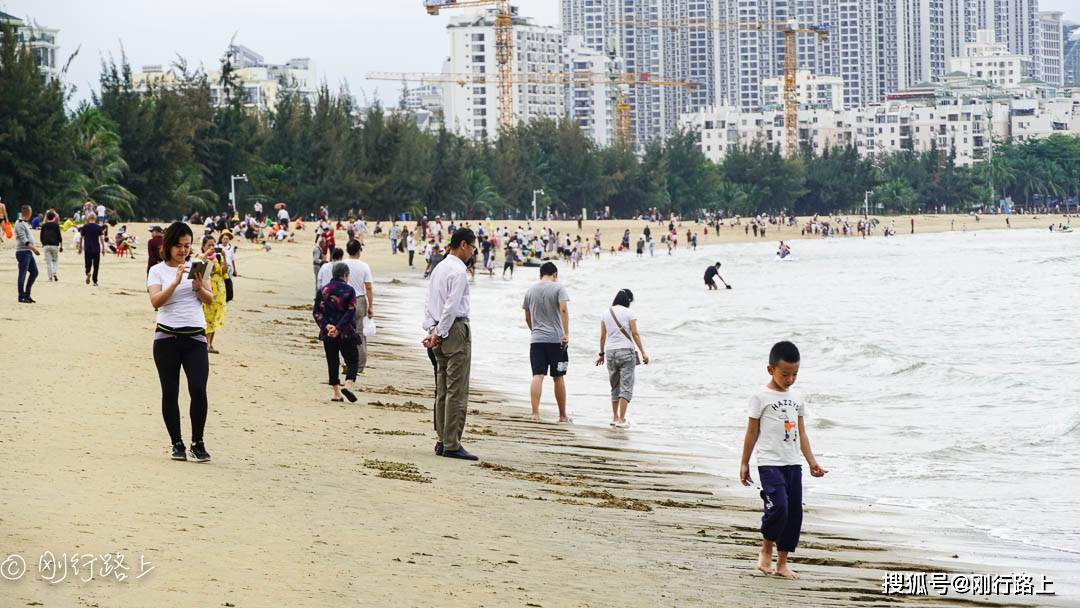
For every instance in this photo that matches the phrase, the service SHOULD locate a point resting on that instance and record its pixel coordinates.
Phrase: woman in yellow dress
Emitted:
(215, 311)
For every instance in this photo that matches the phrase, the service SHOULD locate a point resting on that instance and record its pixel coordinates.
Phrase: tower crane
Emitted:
(504, 47)
(790, 30)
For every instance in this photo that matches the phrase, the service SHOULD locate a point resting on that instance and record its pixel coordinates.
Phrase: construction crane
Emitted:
(620, 81)
(504, 47)
(790, 30)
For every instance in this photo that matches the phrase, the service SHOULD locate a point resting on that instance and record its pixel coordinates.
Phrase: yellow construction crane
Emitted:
(504, 47)
(617, 80)
(789, 29)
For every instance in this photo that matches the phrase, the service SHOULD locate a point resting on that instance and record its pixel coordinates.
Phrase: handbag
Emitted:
(637, 355)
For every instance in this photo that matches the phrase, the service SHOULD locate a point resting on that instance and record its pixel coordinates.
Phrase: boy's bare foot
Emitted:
(764, 562)
(786, 572)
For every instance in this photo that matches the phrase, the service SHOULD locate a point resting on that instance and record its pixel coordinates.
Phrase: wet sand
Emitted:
(313, 503)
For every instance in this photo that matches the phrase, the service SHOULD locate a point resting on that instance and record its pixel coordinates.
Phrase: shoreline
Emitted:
(310, 503)
(923, 536)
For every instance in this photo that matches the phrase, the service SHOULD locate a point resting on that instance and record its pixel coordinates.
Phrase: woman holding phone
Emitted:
(177, 292)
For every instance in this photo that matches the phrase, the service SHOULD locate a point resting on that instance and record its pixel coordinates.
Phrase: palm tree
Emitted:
(99, 164)
(479, 196)
(190, 195)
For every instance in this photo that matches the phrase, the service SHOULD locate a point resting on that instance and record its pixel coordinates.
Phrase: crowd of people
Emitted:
(190, 286)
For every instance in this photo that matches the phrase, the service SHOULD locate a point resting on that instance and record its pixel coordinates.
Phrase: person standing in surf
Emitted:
(775, 429)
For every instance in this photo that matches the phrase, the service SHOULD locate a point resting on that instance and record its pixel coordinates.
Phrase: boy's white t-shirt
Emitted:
(778, 441)
(615, 338)
(184, 308)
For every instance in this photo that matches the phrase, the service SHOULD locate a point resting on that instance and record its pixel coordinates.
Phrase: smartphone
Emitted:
(198, 268)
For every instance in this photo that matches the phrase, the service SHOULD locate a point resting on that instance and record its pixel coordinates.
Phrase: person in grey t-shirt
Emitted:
(548, 317)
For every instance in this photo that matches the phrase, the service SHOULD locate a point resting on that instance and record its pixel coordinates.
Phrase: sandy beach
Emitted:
(313, 503)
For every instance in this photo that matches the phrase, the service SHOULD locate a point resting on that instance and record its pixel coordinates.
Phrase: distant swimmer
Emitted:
(784, 250)
(712, 273)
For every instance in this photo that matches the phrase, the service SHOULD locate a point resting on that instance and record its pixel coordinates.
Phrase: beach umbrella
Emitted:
(279, 206)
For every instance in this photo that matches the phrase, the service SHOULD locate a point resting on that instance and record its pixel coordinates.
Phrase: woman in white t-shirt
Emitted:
(617, 326)
(180, 337)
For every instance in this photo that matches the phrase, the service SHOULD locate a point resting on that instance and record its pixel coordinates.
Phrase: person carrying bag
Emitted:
(622, 350)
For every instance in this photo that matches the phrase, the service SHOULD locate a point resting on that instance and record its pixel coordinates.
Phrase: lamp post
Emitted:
(232, 189)
(866, 204)
(535, 192)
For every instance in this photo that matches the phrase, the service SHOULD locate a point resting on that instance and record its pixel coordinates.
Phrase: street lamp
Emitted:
(535, 192)
(232, 189)
(866, 204)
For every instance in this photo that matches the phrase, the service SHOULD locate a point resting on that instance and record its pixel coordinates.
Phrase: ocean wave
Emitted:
(907, 369)
(699, 323)
(1060, 259)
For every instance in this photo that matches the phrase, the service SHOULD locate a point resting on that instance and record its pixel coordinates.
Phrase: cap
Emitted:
(155, 228)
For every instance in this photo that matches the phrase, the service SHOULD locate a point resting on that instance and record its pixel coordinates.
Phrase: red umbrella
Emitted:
(279, 206)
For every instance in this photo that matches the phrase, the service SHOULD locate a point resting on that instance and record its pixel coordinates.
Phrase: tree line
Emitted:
(167, 150)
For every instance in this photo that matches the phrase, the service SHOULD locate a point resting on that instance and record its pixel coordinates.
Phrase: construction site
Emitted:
(499, 75)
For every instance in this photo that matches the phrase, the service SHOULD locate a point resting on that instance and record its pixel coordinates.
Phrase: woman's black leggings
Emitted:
(170, 354)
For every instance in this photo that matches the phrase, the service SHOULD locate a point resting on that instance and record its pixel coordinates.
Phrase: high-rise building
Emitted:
(1049, 49)
(625, 29)
(591, 105)
(473, 110)
(1071, 60)
(1015, 23)
(876, 47)
(929, 33)
(40, 40)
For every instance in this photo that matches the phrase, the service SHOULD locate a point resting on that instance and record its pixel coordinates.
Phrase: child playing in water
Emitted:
(776, 418)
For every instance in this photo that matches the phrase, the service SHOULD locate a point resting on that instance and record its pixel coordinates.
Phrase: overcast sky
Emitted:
(344, 38)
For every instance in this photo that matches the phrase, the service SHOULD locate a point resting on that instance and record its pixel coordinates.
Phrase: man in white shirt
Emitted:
(360, 280)
(446, 319)
(283, 217)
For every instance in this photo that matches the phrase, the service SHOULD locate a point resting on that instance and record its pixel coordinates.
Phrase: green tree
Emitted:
(35, 155)
(99, 167)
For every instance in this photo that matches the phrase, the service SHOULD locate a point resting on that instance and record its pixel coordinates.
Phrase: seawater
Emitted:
(941, 371)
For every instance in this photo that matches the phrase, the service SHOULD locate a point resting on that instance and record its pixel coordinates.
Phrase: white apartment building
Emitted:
(258, 82)
(1049, 49)
(592, 105)
(41, 41)
(989, 60)
(473, 110)
(814, 92)
(965, 125)
(424, 105)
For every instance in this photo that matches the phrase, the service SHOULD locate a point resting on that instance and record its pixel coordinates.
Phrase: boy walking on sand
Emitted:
(776, 418)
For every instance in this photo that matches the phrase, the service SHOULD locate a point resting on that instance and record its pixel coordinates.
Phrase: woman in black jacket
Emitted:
(52, 243)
